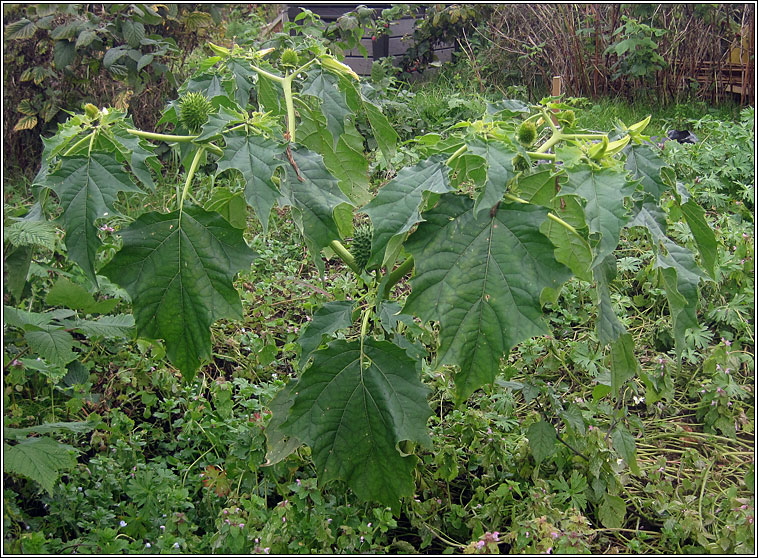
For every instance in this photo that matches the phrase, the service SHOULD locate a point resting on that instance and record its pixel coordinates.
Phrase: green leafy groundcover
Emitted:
(490, 222)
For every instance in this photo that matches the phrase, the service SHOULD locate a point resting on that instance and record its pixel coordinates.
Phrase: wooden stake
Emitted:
(557, 90)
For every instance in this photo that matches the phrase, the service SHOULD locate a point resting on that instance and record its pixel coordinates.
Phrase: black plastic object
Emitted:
(682, 136)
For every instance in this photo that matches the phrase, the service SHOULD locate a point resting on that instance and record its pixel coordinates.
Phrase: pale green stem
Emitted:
(462, 149)
(397, 274)
(160, 137)
(171, 138)
(553, 140)
(551, 216)
(78, 144)
(549, 119)
(269, 75)
(583, 136)
(544, 156)
(91, 143)
(344, 255)
(364, 328)
(289, 103)
(190, 176)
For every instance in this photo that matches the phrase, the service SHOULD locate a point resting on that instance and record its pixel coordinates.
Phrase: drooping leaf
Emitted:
(256, 157)
(353, 408)
(396, 208)
(40, 459)
(178, 269)
(345, 160)
(680, 273)
(609, 327)
(384, 134)
(278, 444)
(705, 239)
(624, 365)
(231, 205)
(623, 443)
(31, 233)
(119, 326)
(603, 192)
(76, 427)
(542, 438)
(645, 164)
(331, 317)
(612, 511)
(324, 87)
(316, 197)
(16, 268)
(571, 248)
(87, 189)
(481, 278)
(499, 157)
(244, 78)
(138, 153)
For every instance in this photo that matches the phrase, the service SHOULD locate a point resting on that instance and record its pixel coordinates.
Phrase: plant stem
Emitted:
(190, 176)
(543, 156)
(583, 136)
(78, 144)
(396, 275)
(551, 216)
(160, 137)
(344, 255)
(287, 87)
(462, 149)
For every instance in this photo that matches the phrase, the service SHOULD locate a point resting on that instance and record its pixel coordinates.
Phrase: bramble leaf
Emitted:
(178, 269)
(39, 459)
(481, 278)
(353, 406)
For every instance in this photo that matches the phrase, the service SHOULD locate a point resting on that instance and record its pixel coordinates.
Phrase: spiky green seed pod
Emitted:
(194, 109)
(361, 246)
(91, 111)
(289, 57)
(527, 132)
(520, 164)
(566, 118)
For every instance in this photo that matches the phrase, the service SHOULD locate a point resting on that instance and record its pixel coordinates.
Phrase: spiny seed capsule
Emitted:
(567, 118)
(361, 246)
(289, 57)
(520, 163)
(91, 110)
(194, 109)
(527, 132)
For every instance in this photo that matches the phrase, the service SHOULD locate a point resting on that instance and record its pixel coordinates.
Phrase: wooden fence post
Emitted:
(556, 91)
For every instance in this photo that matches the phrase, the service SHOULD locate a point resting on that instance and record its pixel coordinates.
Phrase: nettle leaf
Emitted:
(645, 164)
(178, 269)
(315, 196)
(353, 406)
(39, 459)
(482, 279)
(331, 317)
(256, 157)
(87, 188)
(603, 192)
(542, 438)
(52, 343)
(499, 157)
(396, 208)
(31, 233)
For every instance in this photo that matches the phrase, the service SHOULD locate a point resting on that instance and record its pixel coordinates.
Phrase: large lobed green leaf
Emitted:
(353, 406)
(396, 208)
(603, 192)
(256, 157)
(178, 269)
(481, 278)
(87, 189)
